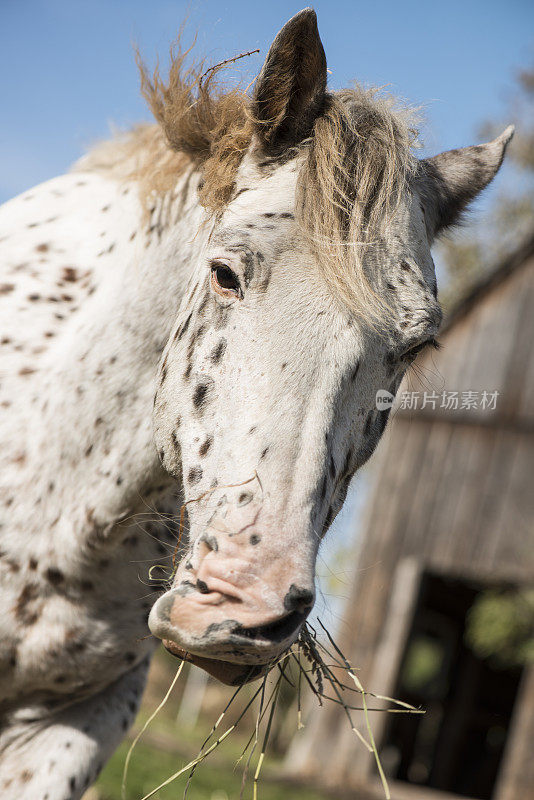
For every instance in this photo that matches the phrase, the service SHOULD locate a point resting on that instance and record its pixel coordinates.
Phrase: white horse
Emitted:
(201, 311)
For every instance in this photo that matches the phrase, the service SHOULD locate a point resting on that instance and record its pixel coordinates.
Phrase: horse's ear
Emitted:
(290, 90)
(451, 180)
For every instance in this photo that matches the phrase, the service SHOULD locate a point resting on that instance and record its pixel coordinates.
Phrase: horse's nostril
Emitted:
(298, 599)
(202, 587)
(209, 541)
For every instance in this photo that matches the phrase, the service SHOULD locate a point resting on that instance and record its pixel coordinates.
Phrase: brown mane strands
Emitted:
(354, 168)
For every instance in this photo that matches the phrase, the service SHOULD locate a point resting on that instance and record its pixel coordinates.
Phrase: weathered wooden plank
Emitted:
(472, 470)
(421, 538)
(514, 554)
(439, 544)
(517, 402)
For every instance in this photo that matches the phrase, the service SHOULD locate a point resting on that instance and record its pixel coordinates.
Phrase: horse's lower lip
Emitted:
(224, 671)
(187, 627)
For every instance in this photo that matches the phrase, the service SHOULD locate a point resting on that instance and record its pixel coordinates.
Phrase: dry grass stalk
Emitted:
(322, 661)
(143, 729)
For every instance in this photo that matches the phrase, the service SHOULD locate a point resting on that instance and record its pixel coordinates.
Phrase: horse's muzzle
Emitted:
(234, 630)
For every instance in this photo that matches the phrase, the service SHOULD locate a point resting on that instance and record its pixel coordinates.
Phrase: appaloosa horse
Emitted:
(203, 311)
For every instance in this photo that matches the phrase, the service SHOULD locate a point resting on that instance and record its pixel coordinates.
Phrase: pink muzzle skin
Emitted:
(229, 620)
(240, 595)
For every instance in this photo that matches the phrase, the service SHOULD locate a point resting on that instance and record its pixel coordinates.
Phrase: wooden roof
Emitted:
(486, 346)
(490, 280)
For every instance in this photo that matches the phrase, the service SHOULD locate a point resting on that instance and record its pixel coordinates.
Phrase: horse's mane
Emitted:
(355, 166)
(199, 122)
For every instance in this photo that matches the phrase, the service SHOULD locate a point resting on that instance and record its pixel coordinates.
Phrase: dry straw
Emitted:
(317, 664)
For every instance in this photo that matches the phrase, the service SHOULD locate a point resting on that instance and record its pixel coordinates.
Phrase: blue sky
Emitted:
(68, 71)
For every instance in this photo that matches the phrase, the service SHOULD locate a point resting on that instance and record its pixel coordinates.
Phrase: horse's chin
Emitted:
(224, 671)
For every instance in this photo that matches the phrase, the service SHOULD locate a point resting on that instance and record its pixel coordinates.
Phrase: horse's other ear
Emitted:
(290, 90)
(451, 180)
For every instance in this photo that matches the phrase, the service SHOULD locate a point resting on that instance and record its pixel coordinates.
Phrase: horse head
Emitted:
(313, 291)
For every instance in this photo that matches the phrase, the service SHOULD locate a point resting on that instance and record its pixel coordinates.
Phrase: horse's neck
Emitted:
(83, 432)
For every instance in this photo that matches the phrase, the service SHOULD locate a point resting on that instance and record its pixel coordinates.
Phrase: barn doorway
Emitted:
(457, 746)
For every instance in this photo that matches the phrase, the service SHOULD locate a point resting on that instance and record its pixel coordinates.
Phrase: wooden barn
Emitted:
(450, 515)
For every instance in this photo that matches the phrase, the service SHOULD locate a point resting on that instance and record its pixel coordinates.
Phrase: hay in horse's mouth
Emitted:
(323, 667)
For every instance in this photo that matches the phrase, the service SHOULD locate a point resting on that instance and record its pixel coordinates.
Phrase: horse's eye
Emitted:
(410, 354)
(224, 281)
